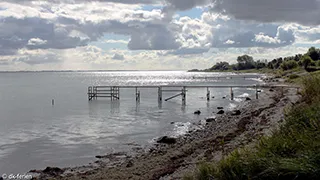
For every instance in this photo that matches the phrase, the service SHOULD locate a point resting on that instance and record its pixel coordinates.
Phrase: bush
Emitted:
(293, 76)
(287, 65)
(311, 88)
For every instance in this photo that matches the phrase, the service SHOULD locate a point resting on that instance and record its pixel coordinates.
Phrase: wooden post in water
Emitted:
(183, 94)
(257, 94)
(89, 93)
(118, 93)
(137, 95)
(231, 94)
(160, 94)
(95, 92)
(208, 94)
(111, 93)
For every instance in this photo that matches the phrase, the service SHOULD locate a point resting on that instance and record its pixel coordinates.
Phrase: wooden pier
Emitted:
(113, 92)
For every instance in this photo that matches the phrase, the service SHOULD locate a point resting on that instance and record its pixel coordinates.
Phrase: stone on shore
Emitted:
(248, 99)
(212, 119)
(54, 171)
(197, 112)
(235, 112)
(219, 107)
(129, 164)
(220, 112)
(167, 140)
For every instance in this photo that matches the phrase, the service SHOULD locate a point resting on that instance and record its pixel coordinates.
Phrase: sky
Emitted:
(151, 34)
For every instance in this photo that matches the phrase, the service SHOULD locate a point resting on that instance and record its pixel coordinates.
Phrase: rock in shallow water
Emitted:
(197, 112)
(167, 140)
(248, 99)
(210, 119)
(220, 112)
(219, 107)
(235, 112)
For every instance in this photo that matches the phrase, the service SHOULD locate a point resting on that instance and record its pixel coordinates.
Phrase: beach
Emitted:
(210, 142)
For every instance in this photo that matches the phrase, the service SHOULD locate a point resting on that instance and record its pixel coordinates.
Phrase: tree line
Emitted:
(309, 61)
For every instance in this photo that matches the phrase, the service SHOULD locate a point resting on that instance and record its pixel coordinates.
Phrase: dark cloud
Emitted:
(186, 4)
(299, 11)
(242, 34)
(19, 33)
(153, 37)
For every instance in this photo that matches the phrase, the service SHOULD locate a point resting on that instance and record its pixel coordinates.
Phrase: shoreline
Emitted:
(173, 161)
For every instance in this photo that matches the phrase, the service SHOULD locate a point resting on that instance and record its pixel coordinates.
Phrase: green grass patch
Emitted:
(292, 152)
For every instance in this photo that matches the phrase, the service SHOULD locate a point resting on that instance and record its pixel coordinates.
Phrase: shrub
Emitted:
(293, 76)
(287, 65)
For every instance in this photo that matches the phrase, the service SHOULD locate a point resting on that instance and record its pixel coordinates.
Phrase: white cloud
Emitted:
(111, 41)
(229, 42)
(36, 42)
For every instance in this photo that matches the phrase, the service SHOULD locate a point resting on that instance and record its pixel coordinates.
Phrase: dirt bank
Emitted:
(217, 138)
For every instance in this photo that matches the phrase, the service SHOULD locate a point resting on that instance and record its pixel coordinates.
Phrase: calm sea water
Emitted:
(34, 134)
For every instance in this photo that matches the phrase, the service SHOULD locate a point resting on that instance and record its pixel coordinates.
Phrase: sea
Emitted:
(35, 133)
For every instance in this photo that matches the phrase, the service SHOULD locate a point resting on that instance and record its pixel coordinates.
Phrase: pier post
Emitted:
(95, 92)
(137, 95)
(118, 93)
(231, 94)
(89, 93)
(111, 92)
(160, 94)
(208, 94)
(183, 94)
(257, 94)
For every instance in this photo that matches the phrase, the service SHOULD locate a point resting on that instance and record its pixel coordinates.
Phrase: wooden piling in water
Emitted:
(183, 95)
(137, 95)
(160, 94)
(231, 94)
(208, 94)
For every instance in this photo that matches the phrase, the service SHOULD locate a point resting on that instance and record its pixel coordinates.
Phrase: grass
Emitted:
(292, 152)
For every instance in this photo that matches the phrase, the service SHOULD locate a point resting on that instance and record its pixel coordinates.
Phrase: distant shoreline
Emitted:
(88, 71)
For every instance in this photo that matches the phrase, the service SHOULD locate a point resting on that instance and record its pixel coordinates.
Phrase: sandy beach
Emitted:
(210, 142)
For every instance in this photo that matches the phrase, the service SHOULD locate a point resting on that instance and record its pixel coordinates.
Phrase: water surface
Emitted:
(34, 134)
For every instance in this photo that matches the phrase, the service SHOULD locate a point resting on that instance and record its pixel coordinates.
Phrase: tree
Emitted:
(220, 66)
(261, 64)
(305, 61)
(245, 62)
(314, 53)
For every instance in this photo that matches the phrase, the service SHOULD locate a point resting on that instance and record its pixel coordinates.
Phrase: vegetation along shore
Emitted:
(275, 137)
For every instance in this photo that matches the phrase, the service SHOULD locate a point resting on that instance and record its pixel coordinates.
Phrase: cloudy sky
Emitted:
(151, 34)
